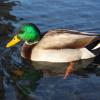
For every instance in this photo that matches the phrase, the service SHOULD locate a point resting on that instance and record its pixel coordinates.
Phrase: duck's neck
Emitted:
(26, 50)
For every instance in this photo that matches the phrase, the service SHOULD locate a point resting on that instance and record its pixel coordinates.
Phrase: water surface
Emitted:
(19, 79)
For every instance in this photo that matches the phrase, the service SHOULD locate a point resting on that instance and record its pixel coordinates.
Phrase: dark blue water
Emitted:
(19, 79)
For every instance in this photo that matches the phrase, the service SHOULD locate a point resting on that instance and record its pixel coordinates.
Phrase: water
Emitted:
(19, 80)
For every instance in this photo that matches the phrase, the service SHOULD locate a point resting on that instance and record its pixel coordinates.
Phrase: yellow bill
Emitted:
(13, 41)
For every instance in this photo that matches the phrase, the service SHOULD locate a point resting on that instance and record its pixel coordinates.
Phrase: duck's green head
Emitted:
(27, 32)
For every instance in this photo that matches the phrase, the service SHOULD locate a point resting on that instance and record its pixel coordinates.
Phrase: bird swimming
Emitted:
(57, 45)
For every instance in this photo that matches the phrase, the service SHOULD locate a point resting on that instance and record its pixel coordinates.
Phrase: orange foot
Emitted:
(68, 69)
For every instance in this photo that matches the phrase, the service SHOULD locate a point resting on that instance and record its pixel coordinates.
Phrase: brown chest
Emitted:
(26, 50)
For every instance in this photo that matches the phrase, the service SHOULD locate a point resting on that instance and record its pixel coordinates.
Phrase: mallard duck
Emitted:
(59, 45)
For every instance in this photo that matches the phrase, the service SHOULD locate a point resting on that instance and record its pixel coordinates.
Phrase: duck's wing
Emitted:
(61, 39)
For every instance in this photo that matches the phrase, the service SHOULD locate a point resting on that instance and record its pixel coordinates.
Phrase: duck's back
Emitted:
(62, 39)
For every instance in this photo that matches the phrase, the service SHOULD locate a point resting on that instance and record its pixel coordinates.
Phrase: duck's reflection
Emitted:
(56, 69)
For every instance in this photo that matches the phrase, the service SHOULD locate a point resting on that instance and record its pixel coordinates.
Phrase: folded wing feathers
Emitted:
(59, 40)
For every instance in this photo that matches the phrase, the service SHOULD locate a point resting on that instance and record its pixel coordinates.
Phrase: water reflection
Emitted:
(6, 28)
(6, 19)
